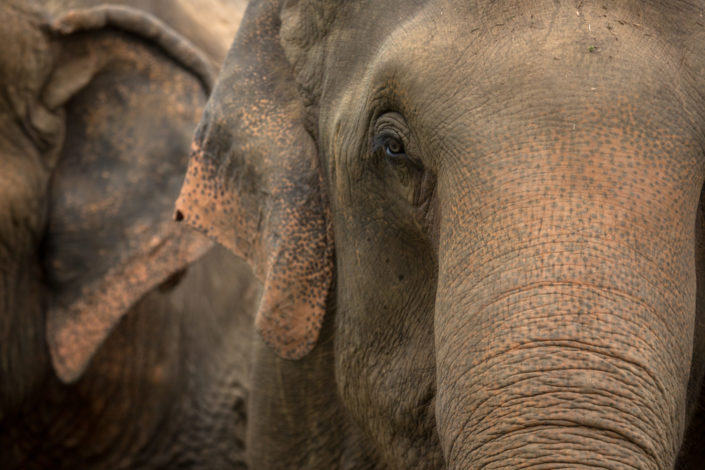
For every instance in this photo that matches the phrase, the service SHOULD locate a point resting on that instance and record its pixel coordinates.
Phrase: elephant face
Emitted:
(514, 195)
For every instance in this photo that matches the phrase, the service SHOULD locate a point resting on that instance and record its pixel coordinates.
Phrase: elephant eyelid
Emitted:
(381, 140)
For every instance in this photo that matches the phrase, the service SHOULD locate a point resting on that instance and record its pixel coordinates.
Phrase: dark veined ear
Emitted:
(254, 184)
(131, 90)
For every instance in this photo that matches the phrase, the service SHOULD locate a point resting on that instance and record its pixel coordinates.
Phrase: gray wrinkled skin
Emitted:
(515, 196)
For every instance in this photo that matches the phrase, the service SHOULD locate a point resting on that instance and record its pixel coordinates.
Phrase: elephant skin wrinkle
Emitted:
(499, 263)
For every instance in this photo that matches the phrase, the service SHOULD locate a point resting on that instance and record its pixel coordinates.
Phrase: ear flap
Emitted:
(254, 184)
(130, 109)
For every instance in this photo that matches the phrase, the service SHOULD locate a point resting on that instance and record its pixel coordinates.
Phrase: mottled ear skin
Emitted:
(254, 184)
(131, 95)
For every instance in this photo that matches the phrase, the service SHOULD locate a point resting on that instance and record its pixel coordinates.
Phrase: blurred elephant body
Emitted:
(167, 389)
(114, 353)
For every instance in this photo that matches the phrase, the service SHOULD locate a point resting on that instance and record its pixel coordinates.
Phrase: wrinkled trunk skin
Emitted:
(565, 371)
(569, 342)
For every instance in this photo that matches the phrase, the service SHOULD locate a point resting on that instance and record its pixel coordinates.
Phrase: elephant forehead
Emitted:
(469, 58)
(473, 85)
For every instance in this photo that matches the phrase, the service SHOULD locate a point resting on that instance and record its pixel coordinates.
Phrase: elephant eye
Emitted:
(393, 148)
(389, 143)
(394, 151)
(399, 167)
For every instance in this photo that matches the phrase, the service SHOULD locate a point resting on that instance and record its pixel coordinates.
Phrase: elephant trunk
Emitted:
(568, 343)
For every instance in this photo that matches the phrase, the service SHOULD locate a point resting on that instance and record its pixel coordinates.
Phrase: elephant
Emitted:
(478, 226)
(118, 347)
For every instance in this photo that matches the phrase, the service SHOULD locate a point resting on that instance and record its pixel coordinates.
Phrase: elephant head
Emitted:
(88, 173)
(514, 192)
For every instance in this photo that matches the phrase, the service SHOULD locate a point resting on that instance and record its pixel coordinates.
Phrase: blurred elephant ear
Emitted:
(131, 91)
(254, 184)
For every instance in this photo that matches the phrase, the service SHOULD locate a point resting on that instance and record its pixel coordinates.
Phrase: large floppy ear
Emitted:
(131, 90)
(254, 184)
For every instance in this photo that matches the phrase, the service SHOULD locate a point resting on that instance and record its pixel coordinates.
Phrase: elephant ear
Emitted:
(131, 91)
(254, 184)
